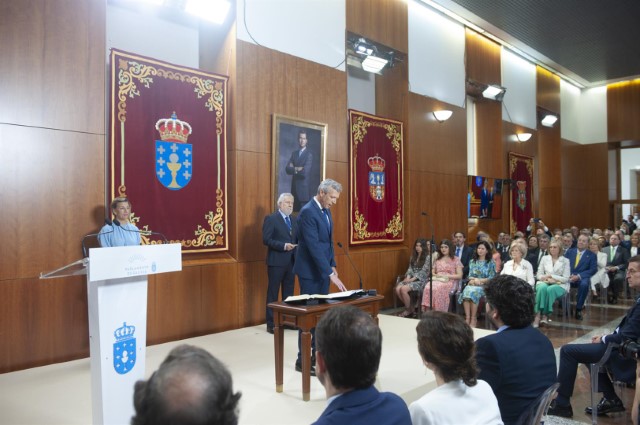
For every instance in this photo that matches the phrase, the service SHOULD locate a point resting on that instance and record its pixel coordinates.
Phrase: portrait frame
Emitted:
(284, 139)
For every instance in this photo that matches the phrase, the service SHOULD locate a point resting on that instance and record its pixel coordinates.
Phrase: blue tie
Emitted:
(326, 214)
(288, 221)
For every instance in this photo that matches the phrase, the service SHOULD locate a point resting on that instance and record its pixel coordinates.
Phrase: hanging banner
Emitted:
(168, 150)
(521, 193)
(376, 203)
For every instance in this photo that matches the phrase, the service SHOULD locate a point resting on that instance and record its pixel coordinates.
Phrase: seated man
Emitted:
(191, 387)
(518, 361)
(348, 350)
(584, 264)
(623, 369)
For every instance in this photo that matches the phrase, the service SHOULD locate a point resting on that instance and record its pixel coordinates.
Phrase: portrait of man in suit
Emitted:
(298, 161)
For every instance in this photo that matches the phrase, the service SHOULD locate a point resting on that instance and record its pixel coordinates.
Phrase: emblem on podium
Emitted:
(376, 178)
(124, 349)
(174, 156)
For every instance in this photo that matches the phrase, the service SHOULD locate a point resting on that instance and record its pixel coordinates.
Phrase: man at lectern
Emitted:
(119, 232)
(315, 264)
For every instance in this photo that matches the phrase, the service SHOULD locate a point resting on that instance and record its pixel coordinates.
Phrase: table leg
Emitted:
(278, 339)
(306, 365)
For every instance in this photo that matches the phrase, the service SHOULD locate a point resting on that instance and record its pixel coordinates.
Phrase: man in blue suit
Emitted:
(622, 368)
(518, 361)
(299, 168)
(315, 264)
(349, 349)
(584, 264)
(279, 234)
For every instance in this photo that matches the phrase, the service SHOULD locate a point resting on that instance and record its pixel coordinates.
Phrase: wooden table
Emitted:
(305, 317)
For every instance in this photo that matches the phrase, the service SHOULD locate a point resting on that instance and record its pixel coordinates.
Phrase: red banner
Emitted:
(376, 204)
(168, 150)
(521, 194)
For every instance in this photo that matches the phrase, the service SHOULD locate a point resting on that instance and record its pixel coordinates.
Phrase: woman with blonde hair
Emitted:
(553, 281)
(601, 277)
(518, 266)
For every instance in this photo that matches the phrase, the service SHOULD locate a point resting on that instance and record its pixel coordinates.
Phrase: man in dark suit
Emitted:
(279, 234)
(584, 264)
(299, 167)
(349, 349)
(315, 264)
(463, 252)
(617, 259)
(543, 249)
(623, 369)
(518, 361)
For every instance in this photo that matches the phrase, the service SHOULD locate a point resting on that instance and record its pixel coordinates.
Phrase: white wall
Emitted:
(519, 102)
(583, 114)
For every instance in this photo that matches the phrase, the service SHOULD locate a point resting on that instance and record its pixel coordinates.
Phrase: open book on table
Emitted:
(332, 296)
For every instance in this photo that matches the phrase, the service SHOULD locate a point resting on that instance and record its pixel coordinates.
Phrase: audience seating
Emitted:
(536, 413)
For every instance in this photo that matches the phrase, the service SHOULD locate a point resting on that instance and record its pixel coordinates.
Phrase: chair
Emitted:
(538, 410)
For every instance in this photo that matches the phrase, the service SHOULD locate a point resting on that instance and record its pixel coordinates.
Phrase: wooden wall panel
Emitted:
(585, 200)
(547, 90)
(549, 175)
(384, 21)
(483, 59)
(392, 89)
(51, 175)
(252, 291)
(489, 139)
(52, 64)
(434, 146)
(623, 109)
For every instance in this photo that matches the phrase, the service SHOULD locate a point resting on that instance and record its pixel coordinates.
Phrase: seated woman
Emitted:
(446, 346)
(415, 277)
(635, 242)
(553, 281)
(447, 271)
(601, 277)
(481, 269)
(518, 266)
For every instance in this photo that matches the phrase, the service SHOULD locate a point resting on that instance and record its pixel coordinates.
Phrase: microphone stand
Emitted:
(351, 261)
(432, 245)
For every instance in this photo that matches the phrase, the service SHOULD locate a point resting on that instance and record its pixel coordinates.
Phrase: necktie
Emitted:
(326, 214)
(458, 249)
(578, 255)
(613, 253)
(288, 221)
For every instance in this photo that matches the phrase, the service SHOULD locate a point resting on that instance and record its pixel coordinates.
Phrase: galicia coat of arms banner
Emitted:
(376, 204)
(521, 193)
(168, 150)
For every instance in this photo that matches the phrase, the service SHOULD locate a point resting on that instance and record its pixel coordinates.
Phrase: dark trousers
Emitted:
(583, 291)
(311, 286)
(573, 354)
(617, 282)
(279, 277)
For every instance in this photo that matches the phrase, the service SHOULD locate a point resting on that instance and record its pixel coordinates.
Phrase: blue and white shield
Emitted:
(124, 355)
(376, 185)
(174, 164)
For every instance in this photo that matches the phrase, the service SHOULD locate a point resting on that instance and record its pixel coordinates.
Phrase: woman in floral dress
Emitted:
(481, 269)
(447, 271)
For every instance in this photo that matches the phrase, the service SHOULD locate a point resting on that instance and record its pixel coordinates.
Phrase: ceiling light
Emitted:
(212, 10)
(523, 137)
(494, 92)
(549, 120)
(373, 63)
(442, 116)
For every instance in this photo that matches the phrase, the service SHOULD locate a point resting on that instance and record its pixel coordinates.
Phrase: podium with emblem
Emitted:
(117, 299)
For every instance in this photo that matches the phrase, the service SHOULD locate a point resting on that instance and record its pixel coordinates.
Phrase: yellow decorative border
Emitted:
(131, 72)
(359, 129)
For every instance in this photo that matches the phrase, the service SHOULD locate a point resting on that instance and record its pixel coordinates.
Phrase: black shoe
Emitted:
(299, 369)
(606, 406)
(270, 329)
(562, 411)
(578, 314)
(613, 301)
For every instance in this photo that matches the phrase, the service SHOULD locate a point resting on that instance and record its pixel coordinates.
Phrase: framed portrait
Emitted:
(298, 164)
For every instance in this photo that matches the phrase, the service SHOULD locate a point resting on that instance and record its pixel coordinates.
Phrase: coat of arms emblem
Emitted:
(522, 194)
(124, 349)
(376, 178)
(174, 156)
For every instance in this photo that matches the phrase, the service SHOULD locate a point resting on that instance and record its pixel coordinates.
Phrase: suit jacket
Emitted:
(314, 259)
(366, 406)
(275, 233)
(628, 329)
(532, 257)
(587, 267)
(559, 271)
(620, 259)
(519, 365)
(465, 257)
(300, 179)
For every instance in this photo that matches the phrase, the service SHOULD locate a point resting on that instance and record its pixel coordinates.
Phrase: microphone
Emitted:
(351, 261)
(84, 238)
(144, 232)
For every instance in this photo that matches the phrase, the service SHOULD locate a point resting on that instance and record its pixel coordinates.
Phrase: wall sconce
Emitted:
(523, 137)
(442, 116)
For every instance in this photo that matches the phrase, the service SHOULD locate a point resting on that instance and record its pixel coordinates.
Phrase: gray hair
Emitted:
(329, 183)
(284, 195)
